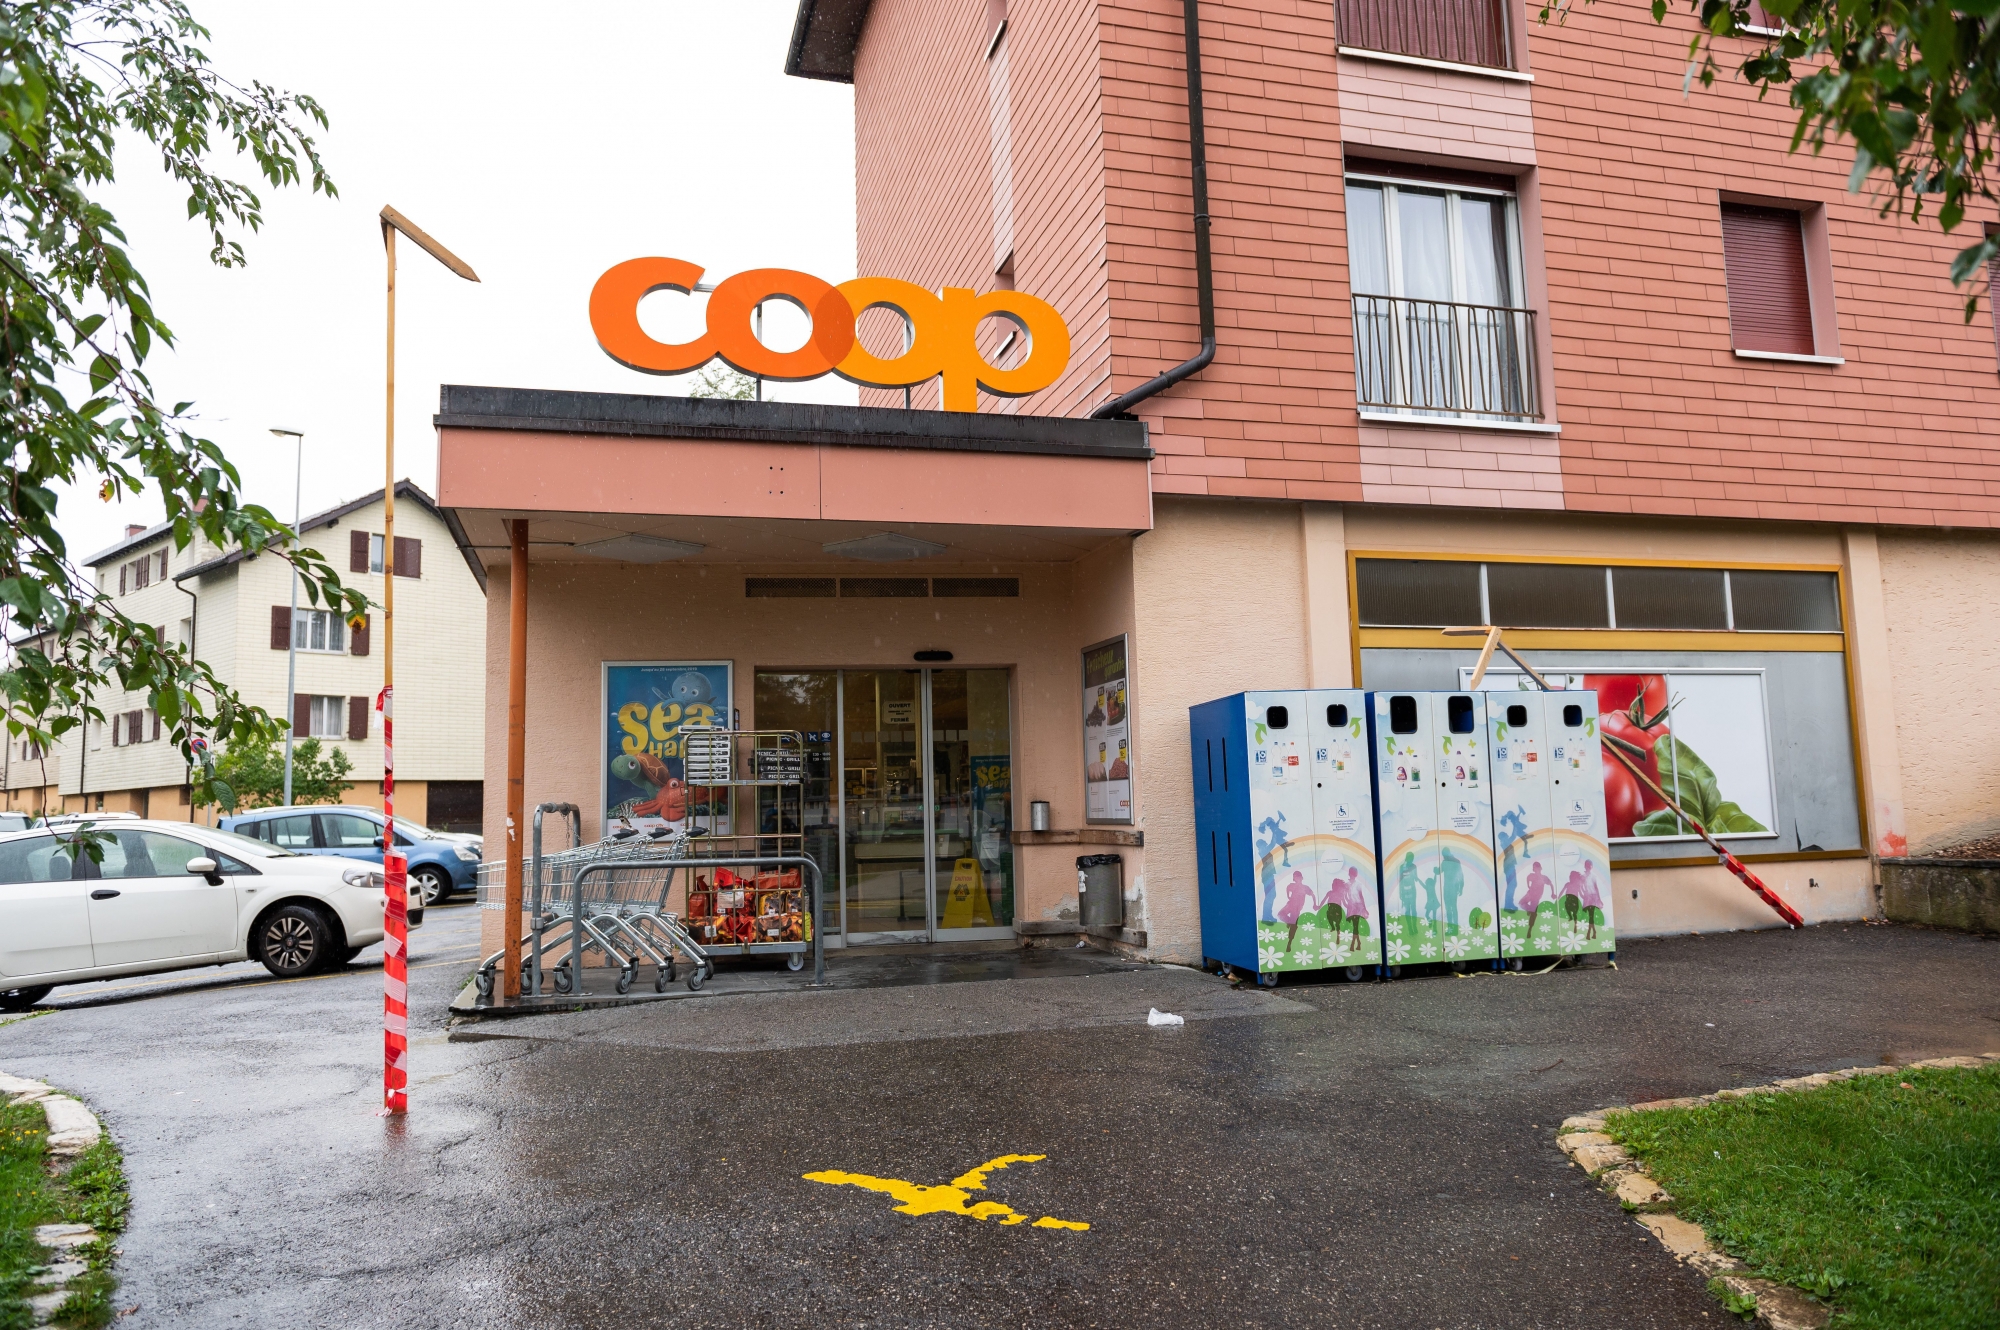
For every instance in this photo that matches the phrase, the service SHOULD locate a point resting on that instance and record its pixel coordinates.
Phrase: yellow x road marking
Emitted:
(952, 1198)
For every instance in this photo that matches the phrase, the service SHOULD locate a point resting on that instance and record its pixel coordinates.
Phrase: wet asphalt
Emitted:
(1325, 1154)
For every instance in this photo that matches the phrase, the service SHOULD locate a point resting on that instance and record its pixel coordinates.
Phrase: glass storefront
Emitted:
(915, 832)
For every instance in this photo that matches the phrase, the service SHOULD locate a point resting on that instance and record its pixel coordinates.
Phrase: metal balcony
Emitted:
(1438, 357)
(1465, 32)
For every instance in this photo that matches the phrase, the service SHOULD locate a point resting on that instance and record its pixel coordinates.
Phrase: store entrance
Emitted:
(908, 797)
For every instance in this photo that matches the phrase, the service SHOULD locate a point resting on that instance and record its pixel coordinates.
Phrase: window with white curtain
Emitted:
(318, 630)
(1440, 325)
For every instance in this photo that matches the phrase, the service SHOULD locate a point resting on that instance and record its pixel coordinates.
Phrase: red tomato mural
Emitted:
(1634, 716)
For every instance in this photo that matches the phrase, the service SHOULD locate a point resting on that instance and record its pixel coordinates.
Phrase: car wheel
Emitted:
(20, 999)
(294, 940)
(435, 885)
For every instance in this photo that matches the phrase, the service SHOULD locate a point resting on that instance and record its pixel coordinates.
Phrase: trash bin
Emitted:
(1100, 890)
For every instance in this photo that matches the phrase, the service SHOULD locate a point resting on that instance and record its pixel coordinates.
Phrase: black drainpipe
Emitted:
(194, 620)
(1204, 271)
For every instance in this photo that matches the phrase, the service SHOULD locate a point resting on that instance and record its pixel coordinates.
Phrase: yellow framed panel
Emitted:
(1616, 639)
(1609, 639)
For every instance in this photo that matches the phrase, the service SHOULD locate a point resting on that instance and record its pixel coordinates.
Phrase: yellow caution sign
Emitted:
(965, 903)
(953, 1198)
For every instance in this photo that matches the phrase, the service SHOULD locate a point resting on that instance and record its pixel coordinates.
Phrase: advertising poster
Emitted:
(1107, 734)
(646, 707)
(1702, 736)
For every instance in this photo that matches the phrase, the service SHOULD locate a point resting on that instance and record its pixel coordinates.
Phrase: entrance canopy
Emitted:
(771, 482)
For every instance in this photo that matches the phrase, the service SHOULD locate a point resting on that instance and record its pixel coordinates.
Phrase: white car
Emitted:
(170, 896)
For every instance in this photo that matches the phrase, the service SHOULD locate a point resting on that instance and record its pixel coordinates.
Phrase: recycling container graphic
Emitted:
(1578, 918)
(1343, 828)
(1524, 831)
(1434, 816)
(1282, 814)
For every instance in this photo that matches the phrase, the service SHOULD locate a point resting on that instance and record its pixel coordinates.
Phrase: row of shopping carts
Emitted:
(609, 897)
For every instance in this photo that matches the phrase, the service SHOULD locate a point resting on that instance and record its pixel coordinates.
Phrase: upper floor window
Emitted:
(1439, 324)
(364, 554)
(1461, 32)
(318, 630)
(1764, 262)
(142, 572)
(134, 727)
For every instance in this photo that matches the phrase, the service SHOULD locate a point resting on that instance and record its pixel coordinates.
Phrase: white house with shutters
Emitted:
(236, 610)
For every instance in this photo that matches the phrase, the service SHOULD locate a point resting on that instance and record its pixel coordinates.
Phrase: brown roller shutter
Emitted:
(302, 714)
(409, 557)
(1764, 260)
(1993, 301)
(357, 551)
(357, 718)
(281, 627)
(357, 638)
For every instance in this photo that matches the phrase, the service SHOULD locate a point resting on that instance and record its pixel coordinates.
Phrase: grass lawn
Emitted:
(1880, 1199)
(90, 1191)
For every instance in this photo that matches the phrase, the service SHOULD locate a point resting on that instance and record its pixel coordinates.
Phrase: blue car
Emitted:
(439, 863)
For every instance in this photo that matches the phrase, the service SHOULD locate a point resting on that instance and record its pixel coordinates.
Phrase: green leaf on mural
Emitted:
(1693, 784)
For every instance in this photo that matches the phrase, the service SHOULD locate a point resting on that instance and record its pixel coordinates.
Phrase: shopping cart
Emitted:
(611, 897)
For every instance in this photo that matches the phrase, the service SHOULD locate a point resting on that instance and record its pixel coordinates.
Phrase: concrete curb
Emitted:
(1779, 1306)
(72, 1130)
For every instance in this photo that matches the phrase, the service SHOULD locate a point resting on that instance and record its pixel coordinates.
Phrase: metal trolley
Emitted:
(759, 775)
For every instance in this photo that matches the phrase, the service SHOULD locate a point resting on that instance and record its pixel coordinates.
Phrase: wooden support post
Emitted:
(517, 751)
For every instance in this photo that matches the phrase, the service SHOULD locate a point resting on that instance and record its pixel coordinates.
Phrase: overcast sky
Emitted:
(539, 149)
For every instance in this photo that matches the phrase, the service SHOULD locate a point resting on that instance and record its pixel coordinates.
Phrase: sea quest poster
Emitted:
(646, 706)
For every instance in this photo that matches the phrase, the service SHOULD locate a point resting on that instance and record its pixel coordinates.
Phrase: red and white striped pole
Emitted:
(395, 929)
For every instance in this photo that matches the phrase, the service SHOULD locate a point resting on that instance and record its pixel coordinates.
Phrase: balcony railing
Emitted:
(1465, 32)
(1441, 357)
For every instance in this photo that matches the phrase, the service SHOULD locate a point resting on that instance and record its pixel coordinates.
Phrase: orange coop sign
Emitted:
(939, 342)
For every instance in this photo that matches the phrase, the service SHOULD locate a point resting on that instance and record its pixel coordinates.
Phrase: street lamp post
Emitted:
(291, 624)
(395, 870)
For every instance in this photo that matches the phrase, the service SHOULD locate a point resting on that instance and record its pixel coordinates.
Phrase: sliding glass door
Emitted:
(912, 822)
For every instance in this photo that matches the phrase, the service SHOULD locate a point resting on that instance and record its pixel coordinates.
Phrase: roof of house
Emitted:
(405, 489)
(130, 543)
(824, 37)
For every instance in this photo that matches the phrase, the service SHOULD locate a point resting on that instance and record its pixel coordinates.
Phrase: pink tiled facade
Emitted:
(1620, 178)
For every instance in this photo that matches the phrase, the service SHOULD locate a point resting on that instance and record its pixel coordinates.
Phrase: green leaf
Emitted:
(1659, 822)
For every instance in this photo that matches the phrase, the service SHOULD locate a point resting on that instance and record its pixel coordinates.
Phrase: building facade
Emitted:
(1508, 330)
(235, 612)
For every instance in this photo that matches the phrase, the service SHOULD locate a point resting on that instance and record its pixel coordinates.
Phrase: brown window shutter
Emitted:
(281, 627)
(1764, 261)
(409, 557)
(124, 569)
(117, 723)
(163, 566)
(357, 639)
(301, 715)
(135, 727)
(144, 570)
(156, 723)
(357, 551)
(357, 718)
